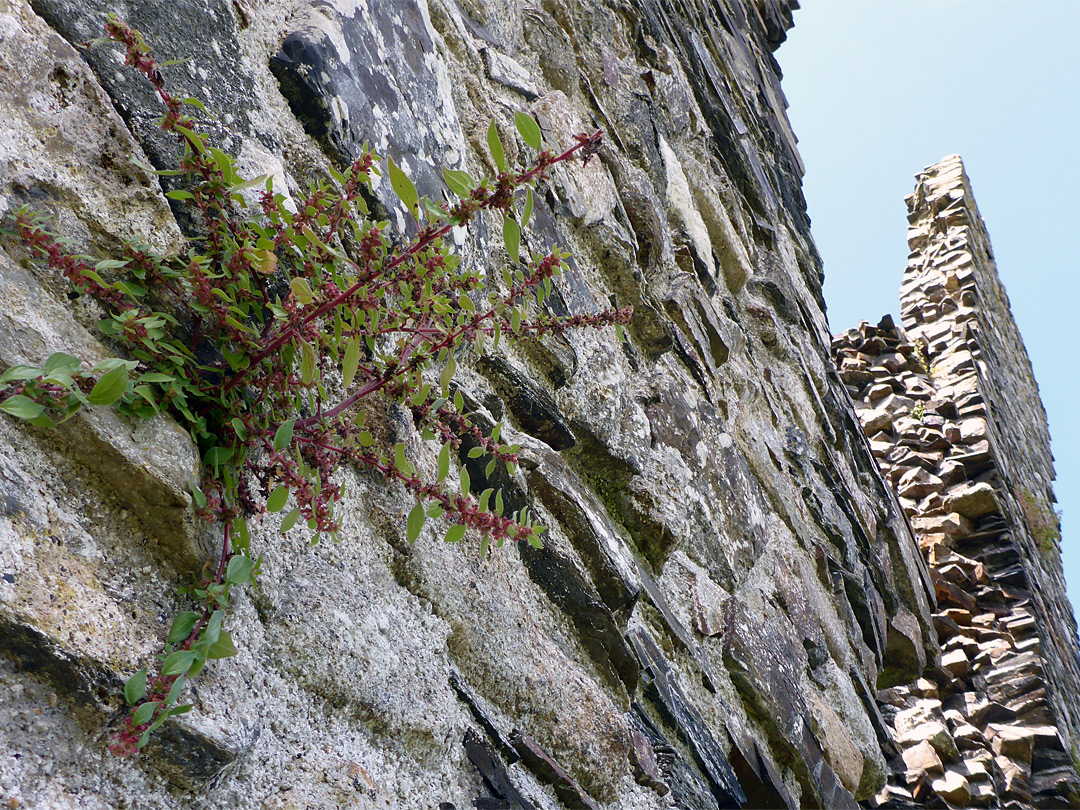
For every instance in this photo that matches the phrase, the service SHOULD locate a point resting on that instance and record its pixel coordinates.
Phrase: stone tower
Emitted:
(953, 414)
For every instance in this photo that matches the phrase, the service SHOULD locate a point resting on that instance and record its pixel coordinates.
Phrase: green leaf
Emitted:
(135, 687)
(196, 668)
(459, 183)
(109, 363)
(240, 428)
(403, 465)
(290, 520)
(403, 187)
(60, 363)
(216, 456)
(182, 626)
(283, 435)
(90, 274)
(529, 129)
(444, 462)
(18, 373)
(156, 377)
(485, 496)
(476, 452)
(239, 569)
(194, 102)
(498, 503)
(312, 236)
(224, 163)
(134, 290)
(177, 663)
(302, 290)
(252, 183)
(447, 375)
(277, 499)
(180, 194)
(512, 238)
(527, 213)
(143, 714)
(455, 533)
(465, 482)
(222, 648)
(213, 629)
(199, 497)
(175, 690)
(415, 522)
(22, 406)
(351, 361)
(43, 421)
(495, 147)
(307, 362)
(109, 388)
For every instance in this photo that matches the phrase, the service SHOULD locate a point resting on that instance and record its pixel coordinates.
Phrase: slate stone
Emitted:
(382, 87)
(677, 628)
(533, 409)
(205, 35)
(586, 521)
(507, 72)
(664, 692)
(922, 758)
(646, 766)
(973, 501)
(476, 709)
(765, 674)
(904, 658)
(493, 771)
(600, 633)
(541, 763)
(687, 786)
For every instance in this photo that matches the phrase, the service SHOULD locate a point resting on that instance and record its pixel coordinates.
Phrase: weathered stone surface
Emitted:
(763, 672)
(953, 787)
(726, 569)
(934, 733)
(923, 758)
(1012, 742)
(973, 502)
(905, 656)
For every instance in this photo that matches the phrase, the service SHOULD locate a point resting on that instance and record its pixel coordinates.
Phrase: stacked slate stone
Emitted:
(992, 724)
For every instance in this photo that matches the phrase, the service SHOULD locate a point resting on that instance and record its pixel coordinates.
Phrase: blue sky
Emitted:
(878, 89)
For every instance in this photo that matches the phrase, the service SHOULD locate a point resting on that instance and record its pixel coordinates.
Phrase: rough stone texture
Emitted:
(728, 577)
(968, 451)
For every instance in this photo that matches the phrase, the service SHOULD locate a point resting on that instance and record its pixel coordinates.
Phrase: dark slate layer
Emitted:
(663, 690)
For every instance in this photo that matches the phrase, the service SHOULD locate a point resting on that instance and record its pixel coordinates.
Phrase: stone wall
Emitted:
(953, 414)
(728, 580)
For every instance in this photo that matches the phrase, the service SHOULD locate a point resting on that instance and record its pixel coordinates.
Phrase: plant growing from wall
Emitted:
(1042, 521)
(275, 333)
